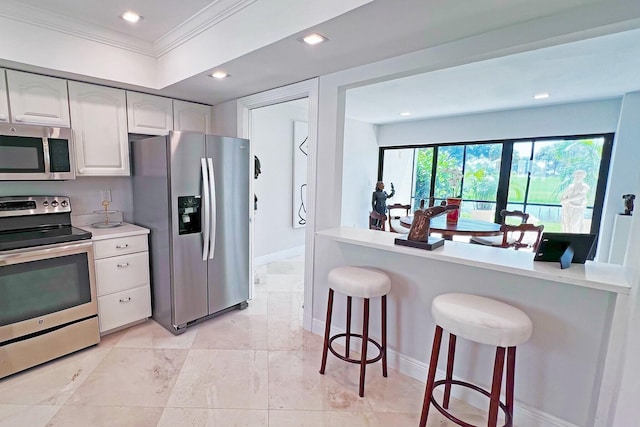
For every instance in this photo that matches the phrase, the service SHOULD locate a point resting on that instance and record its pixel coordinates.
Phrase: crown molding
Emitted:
(73, 27)
(206, 18)
(211, 15)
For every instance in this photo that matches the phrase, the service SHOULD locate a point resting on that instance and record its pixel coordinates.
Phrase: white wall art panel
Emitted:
(300, 150)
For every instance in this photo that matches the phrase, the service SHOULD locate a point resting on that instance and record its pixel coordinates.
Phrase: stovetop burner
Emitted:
(29, 221)
(41, 236)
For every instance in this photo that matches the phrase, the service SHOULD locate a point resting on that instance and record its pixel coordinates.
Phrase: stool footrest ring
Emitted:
(350, 360)
(507, 415)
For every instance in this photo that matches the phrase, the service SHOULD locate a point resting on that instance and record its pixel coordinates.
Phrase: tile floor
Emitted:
(255, 367)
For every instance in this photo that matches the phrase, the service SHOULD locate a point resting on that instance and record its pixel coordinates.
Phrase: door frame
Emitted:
(305, 89)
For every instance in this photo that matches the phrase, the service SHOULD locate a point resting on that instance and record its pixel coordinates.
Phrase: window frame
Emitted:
(505, 168)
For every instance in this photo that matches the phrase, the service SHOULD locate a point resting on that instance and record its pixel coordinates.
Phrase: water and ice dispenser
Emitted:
(189, 215)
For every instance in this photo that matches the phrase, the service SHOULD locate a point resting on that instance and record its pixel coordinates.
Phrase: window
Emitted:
(558, 181)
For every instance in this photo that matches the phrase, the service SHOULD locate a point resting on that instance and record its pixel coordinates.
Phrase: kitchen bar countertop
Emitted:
(595, 275)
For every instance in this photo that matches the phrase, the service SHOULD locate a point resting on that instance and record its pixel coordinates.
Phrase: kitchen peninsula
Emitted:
(564, 373)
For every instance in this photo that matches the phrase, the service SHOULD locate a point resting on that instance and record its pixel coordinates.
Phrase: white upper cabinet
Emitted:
(38, 100)
(99, 122)
(149, 114)
(4, 101)
(191, 117)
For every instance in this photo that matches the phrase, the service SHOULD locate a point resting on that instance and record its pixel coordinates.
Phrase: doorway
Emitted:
(306, 90)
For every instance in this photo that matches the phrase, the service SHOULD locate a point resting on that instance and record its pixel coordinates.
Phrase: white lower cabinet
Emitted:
(122, 280)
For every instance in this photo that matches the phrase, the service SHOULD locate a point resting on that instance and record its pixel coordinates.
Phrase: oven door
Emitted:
(46, 287)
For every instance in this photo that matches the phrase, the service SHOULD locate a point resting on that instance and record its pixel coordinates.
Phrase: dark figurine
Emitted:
(628, 203)
(422, 220)
(379, 199)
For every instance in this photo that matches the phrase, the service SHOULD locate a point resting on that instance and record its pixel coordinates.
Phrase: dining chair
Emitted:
(377, 221)
(394, 220)
(514, 217)
(514, 236)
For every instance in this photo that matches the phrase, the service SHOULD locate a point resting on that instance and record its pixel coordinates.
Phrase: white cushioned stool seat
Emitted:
(481, 319)
(359, 282)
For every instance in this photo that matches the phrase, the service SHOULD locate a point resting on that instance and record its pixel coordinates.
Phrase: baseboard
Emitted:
(276, 256)
(524, 415)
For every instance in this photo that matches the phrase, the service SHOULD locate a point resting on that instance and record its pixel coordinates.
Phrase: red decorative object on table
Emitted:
(453, 215)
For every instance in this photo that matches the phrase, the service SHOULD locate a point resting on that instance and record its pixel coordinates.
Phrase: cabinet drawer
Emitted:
(119, 246)
(124, 307)
(122, 272)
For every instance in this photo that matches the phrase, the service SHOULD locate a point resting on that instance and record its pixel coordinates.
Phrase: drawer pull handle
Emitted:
(126, 264)
(122, 246)
(125, 299)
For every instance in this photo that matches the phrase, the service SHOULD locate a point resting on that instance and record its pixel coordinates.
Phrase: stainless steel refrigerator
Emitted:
(192, 191)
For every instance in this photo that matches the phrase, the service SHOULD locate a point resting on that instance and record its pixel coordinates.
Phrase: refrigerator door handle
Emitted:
(205, 194)
(213, 208)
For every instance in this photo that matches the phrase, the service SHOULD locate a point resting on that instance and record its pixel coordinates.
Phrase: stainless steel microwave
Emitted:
(29, 153)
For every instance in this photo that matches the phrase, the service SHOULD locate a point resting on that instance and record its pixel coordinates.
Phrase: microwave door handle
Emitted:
(47, 157)
(212, 181)
(205, 202)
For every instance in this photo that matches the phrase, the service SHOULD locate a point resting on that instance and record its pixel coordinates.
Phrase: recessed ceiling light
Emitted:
(406, 113)
(219, 74)
(314, 38)
(542, 95)
(131, 16)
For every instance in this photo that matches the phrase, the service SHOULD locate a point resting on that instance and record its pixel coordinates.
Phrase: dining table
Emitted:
(464, 227)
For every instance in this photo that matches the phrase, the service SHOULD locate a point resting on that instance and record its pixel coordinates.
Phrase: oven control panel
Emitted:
(33, 205)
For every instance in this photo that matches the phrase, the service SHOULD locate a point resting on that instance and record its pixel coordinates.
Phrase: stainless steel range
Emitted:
(48, 304)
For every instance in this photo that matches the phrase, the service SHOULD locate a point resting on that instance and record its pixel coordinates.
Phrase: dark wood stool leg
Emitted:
(365, 341)
(348, 337)
(449, 377)
(327, 330)
(384, 335)
(511, 372)
(495, 387)
(433, 362)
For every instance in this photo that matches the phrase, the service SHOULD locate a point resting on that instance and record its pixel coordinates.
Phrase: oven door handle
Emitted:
(17, 256)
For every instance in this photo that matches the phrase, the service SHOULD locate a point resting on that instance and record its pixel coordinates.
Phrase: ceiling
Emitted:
(381, 29)
(597, 68)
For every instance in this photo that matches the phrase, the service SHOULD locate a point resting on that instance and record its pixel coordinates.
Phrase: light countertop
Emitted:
(596, 275)
(124, 230)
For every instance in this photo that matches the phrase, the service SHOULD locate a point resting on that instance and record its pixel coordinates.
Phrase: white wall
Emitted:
(272, 142)
(628, 137)
(358, 180)
(566, 119)
(84, 192)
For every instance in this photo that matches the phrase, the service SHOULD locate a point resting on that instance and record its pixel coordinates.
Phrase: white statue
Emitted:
(574, 203)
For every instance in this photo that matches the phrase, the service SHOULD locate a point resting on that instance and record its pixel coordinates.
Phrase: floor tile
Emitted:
(53, 382)
(233, 331)
(96, 416)
(195, 417)
(151, 334)
(233, 379)
(295, 383)
(26, 415)
(132, 377)
(288, 334)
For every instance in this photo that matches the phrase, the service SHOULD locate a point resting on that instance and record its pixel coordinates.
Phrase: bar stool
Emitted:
(484, 321)
(362, 283)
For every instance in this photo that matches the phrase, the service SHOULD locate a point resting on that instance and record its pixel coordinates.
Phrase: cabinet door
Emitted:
(99, 119)
(38, 100)
(191, 117)
(4, 101)
(149, 114)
